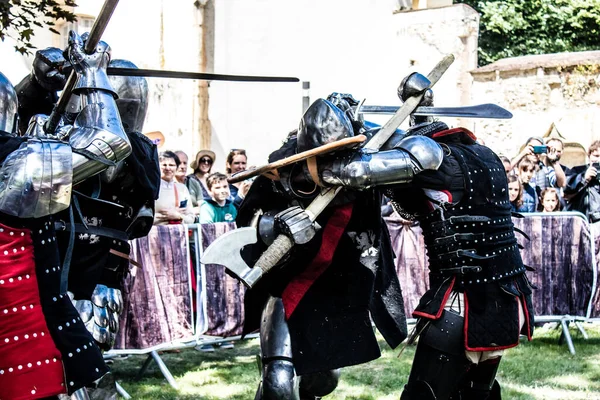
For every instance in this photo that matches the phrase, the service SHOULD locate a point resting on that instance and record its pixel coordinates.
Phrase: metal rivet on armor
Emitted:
(47, 361)
(97, 370)
(22, 233)
(67, 324)
(78, 350)
(54, 299)
(43, 334)
(470, 281)
(10, 369)
(60, 328)
(43, 242)
(85, 346)
(26, 336)
(74, 320)
(39, 363)
(35, 335)
(47, 271)
(20, 367)
(29, 365)
(71, 383)
(70, 354)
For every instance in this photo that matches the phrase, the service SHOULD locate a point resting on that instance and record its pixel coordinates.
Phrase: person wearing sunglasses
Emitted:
(196, 182)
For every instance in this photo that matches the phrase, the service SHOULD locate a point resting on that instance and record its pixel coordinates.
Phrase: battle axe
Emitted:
(226, 249)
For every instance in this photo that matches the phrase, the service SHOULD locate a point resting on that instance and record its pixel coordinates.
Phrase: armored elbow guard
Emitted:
(363, 170)
(35, 179)
(98, 139)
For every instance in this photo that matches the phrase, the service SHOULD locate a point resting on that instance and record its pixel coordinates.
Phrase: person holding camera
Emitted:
(583, 187)
(549, 172)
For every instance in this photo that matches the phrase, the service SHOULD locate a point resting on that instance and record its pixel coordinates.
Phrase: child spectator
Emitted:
(515, 193)
(219, 207)
(550, 200)
(526, 169)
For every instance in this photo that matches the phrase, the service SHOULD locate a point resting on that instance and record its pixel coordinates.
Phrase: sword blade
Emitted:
(479, 111)
(157, 73)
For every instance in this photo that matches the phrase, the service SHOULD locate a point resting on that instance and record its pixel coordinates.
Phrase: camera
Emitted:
(596, 165)
(540, 149)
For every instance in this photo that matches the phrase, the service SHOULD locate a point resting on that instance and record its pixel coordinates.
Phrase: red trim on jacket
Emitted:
(297, 287)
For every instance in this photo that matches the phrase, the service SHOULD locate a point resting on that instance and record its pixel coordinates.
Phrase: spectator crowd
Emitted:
(203, 196)
(538, 182)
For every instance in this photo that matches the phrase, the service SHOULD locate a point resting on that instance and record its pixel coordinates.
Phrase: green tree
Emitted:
(511, 28)
(18, 18)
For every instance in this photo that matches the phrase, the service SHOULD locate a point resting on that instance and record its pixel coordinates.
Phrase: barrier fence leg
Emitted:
(163, 368)
(583, 332)
(122, 391)
(567, 335)
(144, 368)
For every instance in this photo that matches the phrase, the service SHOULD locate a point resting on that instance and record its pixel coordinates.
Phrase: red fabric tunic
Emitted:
(30, 364)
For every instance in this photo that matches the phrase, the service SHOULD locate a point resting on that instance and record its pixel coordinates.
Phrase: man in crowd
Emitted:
(549, 172)
(219, 208)
(583, 187)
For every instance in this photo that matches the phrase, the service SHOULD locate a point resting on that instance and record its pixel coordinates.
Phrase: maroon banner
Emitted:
(224, 293)
(157, 296)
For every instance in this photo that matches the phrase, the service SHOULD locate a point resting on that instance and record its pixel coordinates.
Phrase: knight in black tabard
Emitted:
(317, 302)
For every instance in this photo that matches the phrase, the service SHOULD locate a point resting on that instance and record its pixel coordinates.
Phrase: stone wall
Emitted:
(541, 90)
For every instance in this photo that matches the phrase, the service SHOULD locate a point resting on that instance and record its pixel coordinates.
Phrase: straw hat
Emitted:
(156, 137)
(208, 153)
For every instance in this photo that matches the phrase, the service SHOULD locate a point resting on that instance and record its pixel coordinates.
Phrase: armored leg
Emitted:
(440, 363)
(480, 383)
(279, 380)
(319, 384)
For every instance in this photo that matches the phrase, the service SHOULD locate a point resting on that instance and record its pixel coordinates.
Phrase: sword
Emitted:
(222, 252)
(157, 73)
(94, 37)
(479, 111)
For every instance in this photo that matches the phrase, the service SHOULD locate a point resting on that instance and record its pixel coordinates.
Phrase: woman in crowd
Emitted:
(236, 162)
(550, 200)
(526, 170)
(174, 205)
(515, 192)
(196, 182)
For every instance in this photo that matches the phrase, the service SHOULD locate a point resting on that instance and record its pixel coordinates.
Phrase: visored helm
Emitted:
(8, 106)
(133, 96)
(322, 123)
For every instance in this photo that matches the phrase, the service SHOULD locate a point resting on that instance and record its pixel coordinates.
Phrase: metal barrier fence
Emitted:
(174, 302)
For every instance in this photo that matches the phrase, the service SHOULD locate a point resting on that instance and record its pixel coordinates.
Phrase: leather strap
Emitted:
(313, 170)
(125, 256)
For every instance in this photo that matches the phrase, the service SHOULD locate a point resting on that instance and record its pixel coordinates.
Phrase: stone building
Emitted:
(550, 94)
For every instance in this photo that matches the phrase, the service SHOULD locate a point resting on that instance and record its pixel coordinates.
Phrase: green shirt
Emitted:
(211, 212)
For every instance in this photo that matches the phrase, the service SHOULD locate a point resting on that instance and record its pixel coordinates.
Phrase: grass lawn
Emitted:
(540, 369)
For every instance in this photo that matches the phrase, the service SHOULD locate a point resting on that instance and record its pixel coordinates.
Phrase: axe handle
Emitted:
(326, 148)
(280, 246)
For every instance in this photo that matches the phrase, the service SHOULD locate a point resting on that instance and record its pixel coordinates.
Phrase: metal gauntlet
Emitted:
(362, 170)
(97, 138)
(101, 314)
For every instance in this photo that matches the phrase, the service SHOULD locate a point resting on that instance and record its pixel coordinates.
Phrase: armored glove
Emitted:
(296, 224)
(101, 314)
(90, 67)
(49, 69)
(414, 84)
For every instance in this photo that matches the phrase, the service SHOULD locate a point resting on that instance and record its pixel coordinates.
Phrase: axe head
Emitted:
(225, 251)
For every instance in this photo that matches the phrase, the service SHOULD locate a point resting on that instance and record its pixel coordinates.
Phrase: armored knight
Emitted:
(314, 311)
(480, 299)
(109, 209)
(46, 349)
